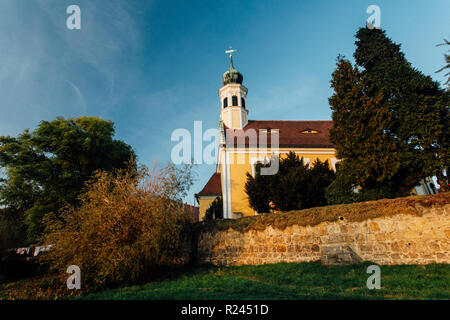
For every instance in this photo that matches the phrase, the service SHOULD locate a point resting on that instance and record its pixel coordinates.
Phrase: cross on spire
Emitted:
(230, 51)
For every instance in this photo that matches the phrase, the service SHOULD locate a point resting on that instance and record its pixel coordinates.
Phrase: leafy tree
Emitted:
(215, 209)
(46, 169)
(296, 185)
(390, 121)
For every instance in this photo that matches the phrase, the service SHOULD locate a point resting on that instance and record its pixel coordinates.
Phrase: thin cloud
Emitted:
(79, 95)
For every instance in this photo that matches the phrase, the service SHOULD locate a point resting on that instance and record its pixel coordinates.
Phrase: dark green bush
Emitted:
(258, 190)
(215, 210)
(295, 186)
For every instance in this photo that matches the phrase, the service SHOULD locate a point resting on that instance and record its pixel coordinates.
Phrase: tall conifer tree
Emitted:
(390, 120)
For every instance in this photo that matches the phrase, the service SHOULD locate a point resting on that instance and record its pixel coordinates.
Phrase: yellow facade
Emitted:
(242, 163)
(236, 114)
(204, 203)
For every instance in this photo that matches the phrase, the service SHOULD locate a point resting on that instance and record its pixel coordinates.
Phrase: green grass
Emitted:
(292, 281)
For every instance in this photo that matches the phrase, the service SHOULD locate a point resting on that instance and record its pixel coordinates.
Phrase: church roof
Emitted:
(301, 134)
(213, 187)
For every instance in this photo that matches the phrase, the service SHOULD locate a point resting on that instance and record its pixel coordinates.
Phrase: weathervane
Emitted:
(230, 51)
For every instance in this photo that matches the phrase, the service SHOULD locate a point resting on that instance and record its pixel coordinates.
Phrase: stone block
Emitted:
(339, 255)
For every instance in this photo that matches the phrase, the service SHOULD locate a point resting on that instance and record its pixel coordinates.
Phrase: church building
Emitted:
(257, 141)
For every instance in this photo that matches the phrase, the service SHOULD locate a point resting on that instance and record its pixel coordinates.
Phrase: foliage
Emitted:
(11, 230)
(215, 210)
(296, 185)
(130, 223)
(43, 287)
(47, 168)
(321, 175)
(390, 121)
(447, 60)
(12, 235)
(341, 190)
(289, 188)
(258, 189)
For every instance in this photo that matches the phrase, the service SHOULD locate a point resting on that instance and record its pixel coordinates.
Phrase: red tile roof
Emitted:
(290, 133)
(213, 187)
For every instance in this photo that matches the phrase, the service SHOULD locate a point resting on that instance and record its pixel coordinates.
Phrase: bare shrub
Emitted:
(130, 223)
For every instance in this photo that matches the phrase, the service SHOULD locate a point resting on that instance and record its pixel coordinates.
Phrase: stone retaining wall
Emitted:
(398, 239)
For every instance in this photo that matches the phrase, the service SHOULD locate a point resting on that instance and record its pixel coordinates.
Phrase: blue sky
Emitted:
(155, 66)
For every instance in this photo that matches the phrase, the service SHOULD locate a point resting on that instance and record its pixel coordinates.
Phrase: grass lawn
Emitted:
(292, 281)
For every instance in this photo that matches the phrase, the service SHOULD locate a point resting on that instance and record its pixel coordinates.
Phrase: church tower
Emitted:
(307, 139)
(233, 97)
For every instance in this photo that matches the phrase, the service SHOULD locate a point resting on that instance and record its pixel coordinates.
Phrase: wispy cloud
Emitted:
(79, 95)
(48, 70)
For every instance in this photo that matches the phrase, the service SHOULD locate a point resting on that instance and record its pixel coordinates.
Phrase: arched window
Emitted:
(234, 100)
(243, 102)
(225, 102)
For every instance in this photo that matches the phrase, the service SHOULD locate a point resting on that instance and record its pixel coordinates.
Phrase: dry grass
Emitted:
(350, 212)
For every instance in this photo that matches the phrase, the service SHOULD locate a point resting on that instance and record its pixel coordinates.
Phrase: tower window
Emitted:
(225, 102)
(234, 100)
(243, 102)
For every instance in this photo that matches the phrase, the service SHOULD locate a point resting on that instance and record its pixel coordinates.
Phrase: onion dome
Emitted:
(232, 75)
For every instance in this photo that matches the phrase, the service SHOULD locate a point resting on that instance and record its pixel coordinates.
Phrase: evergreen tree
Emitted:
(390, 121)
(321, 176)
(290, 187)
(341, 190)
(258, 190)
(215, 209)
(447, 60)
(295, 186)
